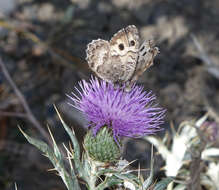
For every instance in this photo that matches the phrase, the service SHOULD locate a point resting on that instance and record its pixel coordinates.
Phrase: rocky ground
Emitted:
(43, 47)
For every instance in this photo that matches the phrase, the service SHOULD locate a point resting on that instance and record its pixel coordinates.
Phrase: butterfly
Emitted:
(121, 60)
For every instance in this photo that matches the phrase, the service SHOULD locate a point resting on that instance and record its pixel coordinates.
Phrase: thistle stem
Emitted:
(92, 178)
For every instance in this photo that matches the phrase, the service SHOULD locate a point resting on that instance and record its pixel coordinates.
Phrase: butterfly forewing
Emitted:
(125, 45)
(146, 55)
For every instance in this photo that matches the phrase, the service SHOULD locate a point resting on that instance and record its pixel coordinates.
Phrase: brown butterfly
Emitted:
(121, 60)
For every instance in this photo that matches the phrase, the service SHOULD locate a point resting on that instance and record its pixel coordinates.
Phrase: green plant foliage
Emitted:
(57, 160)
(162, 185)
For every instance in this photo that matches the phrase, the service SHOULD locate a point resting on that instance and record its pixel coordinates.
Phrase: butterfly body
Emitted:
(120, 60)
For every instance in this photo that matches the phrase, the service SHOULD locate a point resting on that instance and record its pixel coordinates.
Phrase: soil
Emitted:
(184, 79)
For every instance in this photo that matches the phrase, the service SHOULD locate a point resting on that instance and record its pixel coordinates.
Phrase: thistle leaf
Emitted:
(71, 182)
(149, 180)
(163, 184)
(74, 141)
(108, 182)
(129, 177)
(55, 147)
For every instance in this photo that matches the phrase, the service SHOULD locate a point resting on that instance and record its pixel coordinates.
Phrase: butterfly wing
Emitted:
(146, 55)
(124, 47)
(99, 58)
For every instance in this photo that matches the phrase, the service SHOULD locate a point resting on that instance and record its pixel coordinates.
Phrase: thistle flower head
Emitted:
(130, 114)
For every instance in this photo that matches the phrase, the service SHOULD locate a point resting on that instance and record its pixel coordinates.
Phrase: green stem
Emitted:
(93, 176)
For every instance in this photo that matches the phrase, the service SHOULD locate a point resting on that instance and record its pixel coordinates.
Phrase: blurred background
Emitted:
(42, 57)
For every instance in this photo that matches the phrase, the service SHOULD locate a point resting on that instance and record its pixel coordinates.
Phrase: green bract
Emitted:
(102, 147)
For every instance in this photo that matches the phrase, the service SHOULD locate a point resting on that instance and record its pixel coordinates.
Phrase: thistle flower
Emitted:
(128, 114)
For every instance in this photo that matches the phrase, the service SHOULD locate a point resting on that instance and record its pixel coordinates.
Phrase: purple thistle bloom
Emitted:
(130, 114)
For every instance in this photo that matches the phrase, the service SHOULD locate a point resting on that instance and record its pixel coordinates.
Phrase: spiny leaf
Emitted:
(149, 180)
(108, 182)
(161, 185)
(55, 147)
(71, 182)
(128, 177)
(37, 143)
(75, 144)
